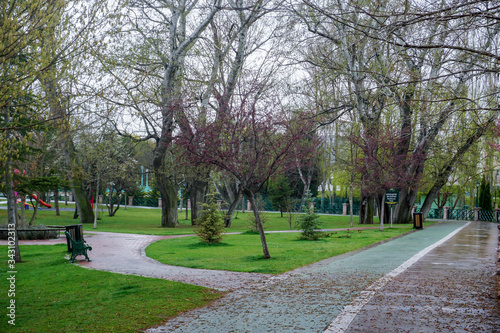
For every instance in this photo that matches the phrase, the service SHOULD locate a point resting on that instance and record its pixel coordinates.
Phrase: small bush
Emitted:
(210, 225)
(309, 222)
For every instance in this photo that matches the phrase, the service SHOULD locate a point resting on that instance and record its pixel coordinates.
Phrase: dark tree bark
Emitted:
(198, 190)
(228, 218)
(168, 192)
(251, 197)
(366, 209)
(82, 202)
(56, 201)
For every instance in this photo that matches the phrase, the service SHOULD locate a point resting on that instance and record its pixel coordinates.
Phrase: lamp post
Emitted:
(477, 194)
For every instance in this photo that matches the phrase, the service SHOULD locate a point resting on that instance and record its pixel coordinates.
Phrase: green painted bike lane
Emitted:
(310, 298)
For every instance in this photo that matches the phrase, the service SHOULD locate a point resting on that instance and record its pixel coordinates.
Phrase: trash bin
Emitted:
(76, 232)
(418, 220)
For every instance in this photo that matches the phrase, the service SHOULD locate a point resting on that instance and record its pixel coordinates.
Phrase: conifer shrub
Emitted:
(309, 222)
(210, 225)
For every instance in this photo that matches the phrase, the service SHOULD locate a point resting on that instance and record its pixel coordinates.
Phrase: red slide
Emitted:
(41, 202)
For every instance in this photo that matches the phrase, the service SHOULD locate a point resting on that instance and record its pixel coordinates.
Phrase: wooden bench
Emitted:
(79, 247)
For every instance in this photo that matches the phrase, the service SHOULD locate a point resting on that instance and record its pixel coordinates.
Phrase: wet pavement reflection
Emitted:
(451, 289)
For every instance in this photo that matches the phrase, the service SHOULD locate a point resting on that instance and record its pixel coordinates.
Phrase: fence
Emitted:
(333, 206)
(465, 214)
(336, 206)
(146, 202)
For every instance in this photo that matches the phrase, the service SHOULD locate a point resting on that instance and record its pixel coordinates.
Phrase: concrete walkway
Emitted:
(440, 279)
(125, 253)
(451, 288)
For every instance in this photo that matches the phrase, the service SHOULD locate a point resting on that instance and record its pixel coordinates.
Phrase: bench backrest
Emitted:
(77, 245)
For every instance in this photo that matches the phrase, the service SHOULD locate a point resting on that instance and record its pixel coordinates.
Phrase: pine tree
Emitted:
(210, 225)
(309, 222)
(485, 195)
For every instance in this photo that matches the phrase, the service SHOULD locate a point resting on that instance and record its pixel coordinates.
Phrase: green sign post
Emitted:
(392, 198)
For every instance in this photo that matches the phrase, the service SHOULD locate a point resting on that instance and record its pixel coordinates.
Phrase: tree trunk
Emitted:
(168, 191)
(402, 211)
(11, 209)
(382, 213)
(322, 198)
(23, 211)
(447, 169)
(197, 192)
(306, 180)
(35, 211)
(16, 213)
(383, 210)
(250, 197)
(228, 218)
(56, 201)
(96, 200)
(366, 209)
(82, 203)
(113, 202)
(351, 202)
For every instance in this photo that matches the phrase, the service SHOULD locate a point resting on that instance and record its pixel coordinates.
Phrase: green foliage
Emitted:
(29, 185)
(485, 200)
(309, 222)
(210, 225)
(280, 193)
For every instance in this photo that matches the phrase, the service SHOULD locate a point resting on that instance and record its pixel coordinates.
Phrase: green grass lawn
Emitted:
(148, 221)
(244, 252)
(52, 295)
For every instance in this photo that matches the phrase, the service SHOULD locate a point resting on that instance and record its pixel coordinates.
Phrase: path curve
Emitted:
(125, 253)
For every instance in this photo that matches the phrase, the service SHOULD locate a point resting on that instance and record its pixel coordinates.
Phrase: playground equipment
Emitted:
(41, 202)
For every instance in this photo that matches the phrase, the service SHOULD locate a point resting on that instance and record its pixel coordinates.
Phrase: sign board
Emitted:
(391, 197)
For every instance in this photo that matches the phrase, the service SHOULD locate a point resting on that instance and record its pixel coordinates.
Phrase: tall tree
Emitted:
(235, 35)
(24, 26)
(147, 73)
(251, 142)
(411, 64)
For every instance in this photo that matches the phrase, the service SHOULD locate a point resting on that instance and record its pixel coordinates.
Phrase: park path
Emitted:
(125, 253)
(450, 289)
(445, 286)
